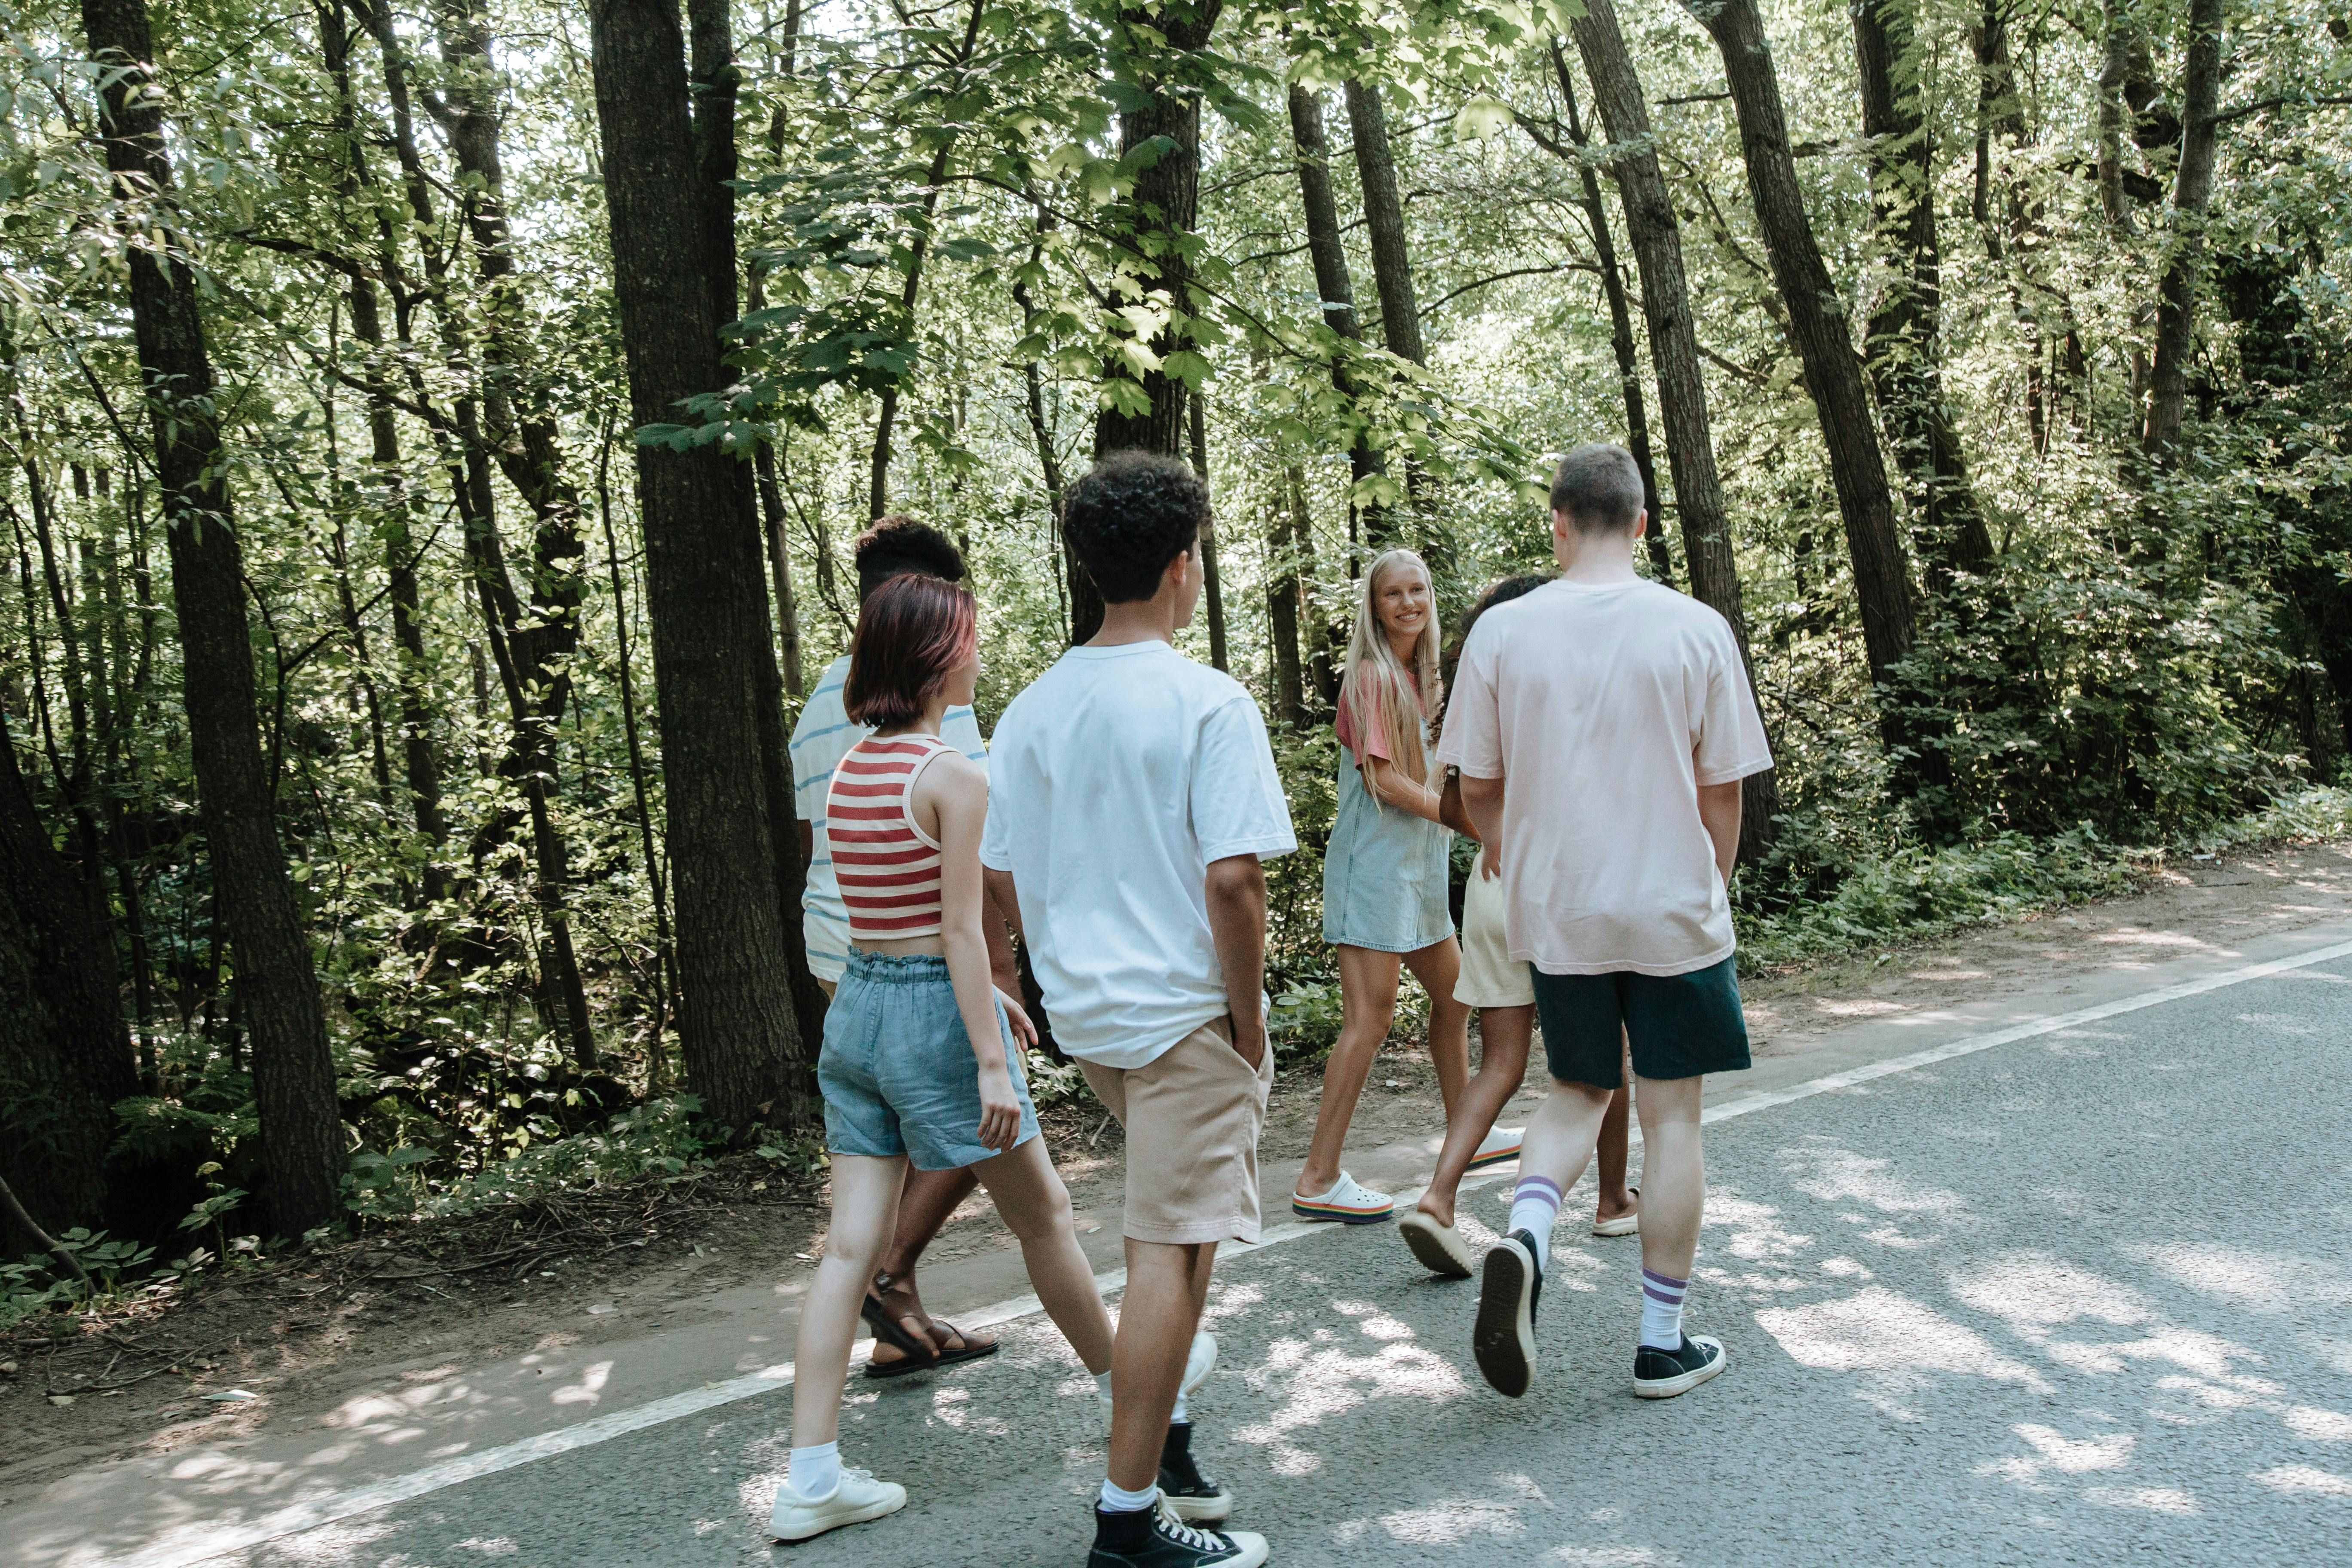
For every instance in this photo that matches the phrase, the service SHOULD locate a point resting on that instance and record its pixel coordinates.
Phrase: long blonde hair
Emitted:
(1378, 684)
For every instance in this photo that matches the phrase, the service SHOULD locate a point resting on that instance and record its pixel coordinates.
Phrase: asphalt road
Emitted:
(2085, 1297)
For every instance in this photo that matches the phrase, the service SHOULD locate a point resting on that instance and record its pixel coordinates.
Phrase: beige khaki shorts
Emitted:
(1192, 1116)
(1489, 978)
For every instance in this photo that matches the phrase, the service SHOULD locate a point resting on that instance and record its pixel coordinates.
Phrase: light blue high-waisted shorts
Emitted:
(897, 1072)
(1384, 874)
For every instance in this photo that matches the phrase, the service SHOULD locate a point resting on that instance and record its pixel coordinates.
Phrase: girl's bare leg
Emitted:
(1437, 967)
(1035, 1206)
(865, 1208)
(1506, 1034)
(1368, 990)
(1616, 1199)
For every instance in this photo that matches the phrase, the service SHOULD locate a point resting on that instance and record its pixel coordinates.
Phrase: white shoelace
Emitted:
(1186, 1535)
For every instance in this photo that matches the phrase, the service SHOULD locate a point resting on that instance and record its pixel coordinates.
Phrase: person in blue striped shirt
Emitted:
(907, 1338)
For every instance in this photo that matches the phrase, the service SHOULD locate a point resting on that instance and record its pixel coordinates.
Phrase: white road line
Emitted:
(185, 1548)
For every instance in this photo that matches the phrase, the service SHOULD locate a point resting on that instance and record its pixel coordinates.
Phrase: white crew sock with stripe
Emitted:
(1662, 1310)
(1535, 1208)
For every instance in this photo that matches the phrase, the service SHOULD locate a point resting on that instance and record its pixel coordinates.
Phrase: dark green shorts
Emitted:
(1680, 1026)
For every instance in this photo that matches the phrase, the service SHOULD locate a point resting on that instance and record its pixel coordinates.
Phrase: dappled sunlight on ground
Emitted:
(1361, 1355)
(1991, 1313)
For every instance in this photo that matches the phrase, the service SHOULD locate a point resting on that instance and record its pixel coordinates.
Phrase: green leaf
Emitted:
(1480, 117)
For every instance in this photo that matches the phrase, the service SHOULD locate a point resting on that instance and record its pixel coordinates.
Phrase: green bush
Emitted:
(661, 1138)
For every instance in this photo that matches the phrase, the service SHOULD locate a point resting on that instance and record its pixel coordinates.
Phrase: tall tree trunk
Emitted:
(539, 645)
(716, 80)
(779, 558)
(278, 990)
(64, 1055)
(1282, 592)
(2115, 68)
(1903, 338)
(2001, 110)
(763, 459)
(1322, 668)
(878, 497)
(1656, 236)
(665, 953)
(2192, 188)
(1367, 120)
(1329, 256)
(739, 1030)
(1162, 213)
(1066, 574)
(1211, 589)
(1368, 124)
(420, 769)
(1817, 326)
(1621, 321)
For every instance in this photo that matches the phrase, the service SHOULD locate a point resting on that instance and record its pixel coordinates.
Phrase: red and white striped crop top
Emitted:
(889, 871)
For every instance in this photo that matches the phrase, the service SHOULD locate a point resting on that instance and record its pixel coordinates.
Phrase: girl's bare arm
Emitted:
(1390, 785)
(951, 804)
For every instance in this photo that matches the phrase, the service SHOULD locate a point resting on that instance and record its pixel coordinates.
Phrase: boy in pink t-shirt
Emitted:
(1601, 725)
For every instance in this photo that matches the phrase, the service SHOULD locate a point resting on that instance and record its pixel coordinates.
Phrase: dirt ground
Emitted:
(303, 1333)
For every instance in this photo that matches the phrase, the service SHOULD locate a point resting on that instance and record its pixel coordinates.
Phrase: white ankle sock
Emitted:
(816, 1471)
(1179, 1414)
(1662, 1310)
(1535, 1208)
(1115, 1499)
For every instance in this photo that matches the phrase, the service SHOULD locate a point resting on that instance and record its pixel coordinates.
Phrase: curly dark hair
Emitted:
(1502, 592)
(897, 544)
(1132, 515)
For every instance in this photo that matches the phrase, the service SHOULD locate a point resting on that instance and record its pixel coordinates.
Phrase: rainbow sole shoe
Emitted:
(1500, 1146)
(1348, 1202)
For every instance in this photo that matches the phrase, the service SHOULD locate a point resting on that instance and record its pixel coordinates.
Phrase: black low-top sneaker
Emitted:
(1504, 1339)
(1661, 1374)
(1197, 1498)
(1156, 1538)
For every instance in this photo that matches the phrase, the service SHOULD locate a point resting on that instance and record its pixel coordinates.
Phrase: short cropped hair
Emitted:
(896, 544)
(1598, 488)
(1129, 517)
(911, 631)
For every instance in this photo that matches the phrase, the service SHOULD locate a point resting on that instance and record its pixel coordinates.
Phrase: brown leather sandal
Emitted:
(915, 1355)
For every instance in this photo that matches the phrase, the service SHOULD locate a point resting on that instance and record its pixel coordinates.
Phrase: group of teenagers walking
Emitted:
(1591, 740)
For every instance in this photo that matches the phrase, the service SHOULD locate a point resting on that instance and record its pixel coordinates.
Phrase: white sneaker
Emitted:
(858, 1498)
(1500, 1146)
(1348, 1202)
(1198, 1364)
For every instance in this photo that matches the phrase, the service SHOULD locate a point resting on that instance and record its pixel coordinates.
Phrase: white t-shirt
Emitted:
(821, 739)
(1603, 707)
(1117, 778)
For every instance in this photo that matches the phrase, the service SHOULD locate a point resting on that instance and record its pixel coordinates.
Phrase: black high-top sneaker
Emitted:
(1504, 1338)
(1155, 1538)
(1661, 1374)
(1196, 1498)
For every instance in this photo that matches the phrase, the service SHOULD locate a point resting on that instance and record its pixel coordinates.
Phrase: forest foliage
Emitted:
(2068, 279)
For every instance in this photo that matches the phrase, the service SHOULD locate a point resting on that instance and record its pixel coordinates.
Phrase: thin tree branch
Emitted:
(1515, 272)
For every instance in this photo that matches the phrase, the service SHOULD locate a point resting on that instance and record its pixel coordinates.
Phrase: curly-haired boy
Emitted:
(1135, 793)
